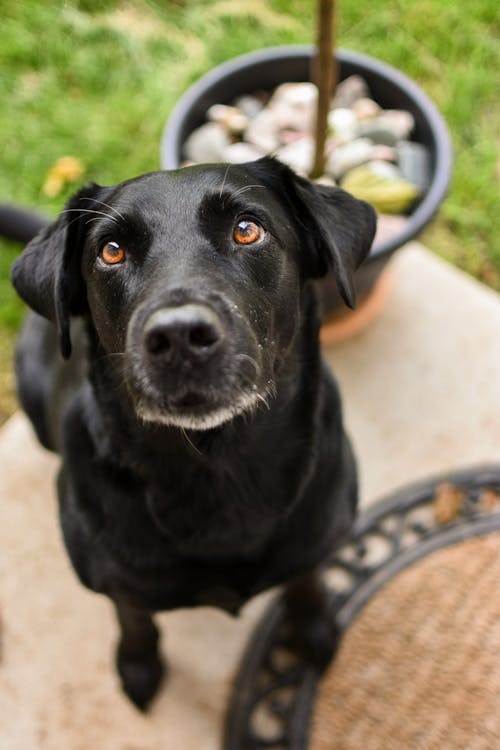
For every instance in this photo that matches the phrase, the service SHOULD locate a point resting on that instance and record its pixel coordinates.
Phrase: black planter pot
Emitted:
(265, 69)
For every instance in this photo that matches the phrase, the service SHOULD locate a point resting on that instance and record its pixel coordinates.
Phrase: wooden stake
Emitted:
(325, 76)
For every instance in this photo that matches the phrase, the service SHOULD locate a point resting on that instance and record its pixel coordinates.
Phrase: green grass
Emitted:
(97, 80)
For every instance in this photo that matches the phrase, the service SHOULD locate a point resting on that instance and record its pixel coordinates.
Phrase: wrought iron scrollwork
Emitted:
(275, 689)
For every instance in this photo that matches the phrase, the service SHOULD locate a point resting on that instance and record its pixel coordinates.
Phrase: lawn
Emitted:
(97, 80)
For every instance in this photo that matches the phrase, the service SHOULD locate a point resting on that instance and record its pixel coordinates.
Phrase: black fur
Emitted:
(203, 454)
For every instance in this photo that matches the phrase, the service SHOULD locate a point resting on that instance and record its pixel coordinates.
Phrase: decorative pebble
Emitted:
(342, 123)
(231, 118)
(350, 90)
(298, 155)
(325, 180)
(388, 195)
(384, 153)
(388, 128)
(240, 152)
(290, 136)
(262, 131)
(378, 130)
(346, 157)
(206, 143)
(294, 106)
(401, 122)
(365, 108)
(386, 170)
(249, 105)
(415, 163)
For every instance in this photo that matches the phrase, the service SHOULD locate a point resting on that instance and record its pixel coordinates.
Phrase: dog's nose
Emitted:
(192, 331)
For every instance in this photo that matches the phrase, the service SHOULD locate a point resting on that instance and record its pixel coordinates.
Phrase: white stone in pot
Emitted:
(385, 170)
(350, 90)
(290, 136)
(342, 124)
(391, 126)
(294, 106)
(379, 130)
(365, 108)
(241, 152)
(325, 180)
(298, 155)
(249, 105)
(383, 153)
(345, 157)
(263, 131)
(401, 122)
(206, 143)
(231, 118)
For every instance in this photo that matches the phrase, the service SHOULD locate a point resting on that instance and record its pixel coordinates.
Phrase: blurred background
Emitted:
(96, 81)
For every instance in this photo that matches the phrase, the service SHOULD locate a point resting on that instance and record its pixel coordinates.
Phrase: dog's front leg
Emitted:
(314, 630)
(138, 661)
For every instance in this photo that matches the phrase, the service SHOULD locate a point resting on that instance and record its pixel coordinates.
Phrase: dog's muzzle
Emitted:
(179, 335)
(190, 367)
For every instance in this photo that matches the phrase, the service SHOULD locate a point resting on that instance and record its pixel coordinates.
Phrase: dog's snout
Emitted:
(191, 331)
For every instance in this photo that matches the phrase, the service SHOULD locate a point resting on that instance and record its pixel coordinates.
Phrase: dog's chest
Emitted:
(178, 528)
(195, 544)
(209, 518)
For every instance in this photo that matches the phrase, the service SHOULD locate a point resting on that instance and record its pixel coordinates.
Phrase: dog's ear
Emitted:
(47, 274)
(337, 228)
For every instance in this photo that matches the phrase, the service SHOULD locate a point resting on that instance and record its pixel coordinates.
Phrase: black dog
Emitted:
(203, 454)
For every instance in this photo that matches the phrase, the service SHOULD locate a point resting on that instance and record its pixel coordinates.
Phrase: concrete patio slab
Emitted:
(421, 389)
(421, 386)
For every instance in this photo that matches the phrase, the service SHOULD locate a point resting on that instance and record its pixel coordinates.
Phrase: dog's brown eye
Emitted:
(112, 253)
(247, 232)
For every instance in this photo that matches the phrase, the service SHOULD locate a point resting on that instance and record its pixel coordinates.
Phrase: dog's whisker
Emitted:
(102, 203)
(264, 399)
(258, 398)
(89, 221)
(89, 211)
(244, 189)
(224, 180)
(251, 360)
(189, 441)
(73, 221)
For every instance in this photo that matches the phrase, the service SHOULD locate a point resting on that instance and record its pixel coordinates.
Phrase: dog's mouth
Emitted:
(198, 410)
(202, 401)
(189, 401)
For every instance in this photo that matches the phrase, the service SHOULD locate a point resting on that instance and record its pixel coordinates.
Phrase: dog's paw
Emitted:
(317, 639)
(320, 639)
(140, 677)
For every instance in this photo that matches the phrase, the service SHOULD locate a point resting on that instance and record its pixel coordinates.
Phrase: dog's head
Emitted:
(193, 278)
